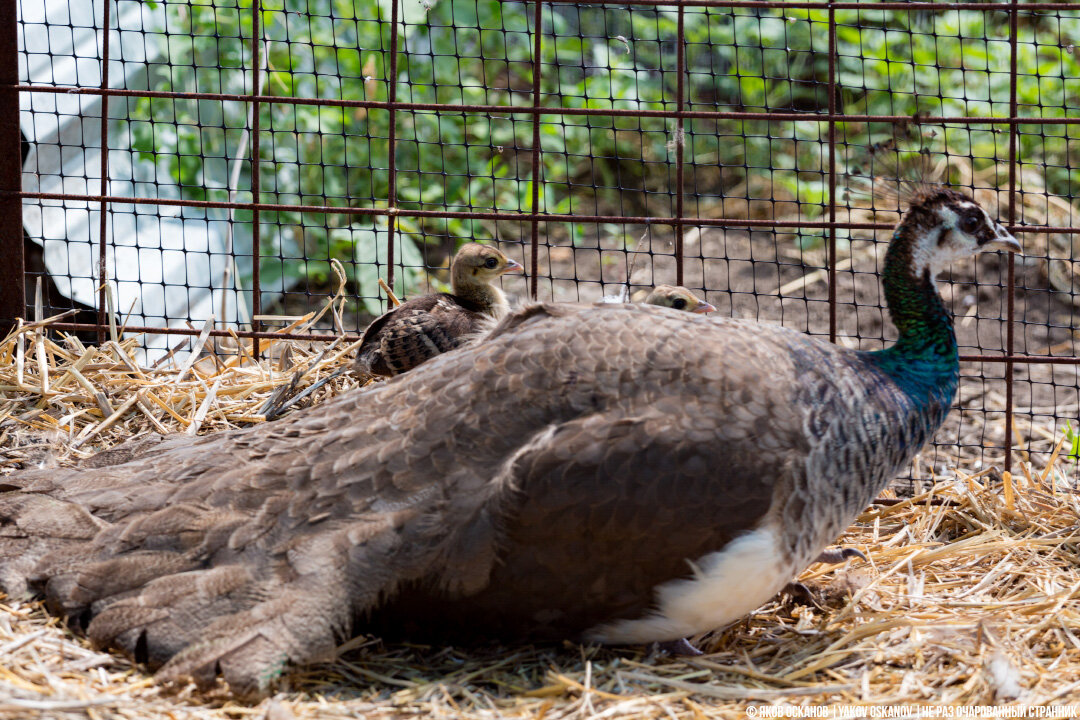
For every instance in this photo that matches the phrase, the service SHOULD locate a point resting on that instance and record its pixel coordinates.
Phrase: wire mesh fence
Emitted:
(248, 161)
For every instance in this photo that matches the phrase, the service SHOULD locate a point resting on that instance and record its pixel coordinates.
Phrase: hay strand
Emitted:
(71, 401)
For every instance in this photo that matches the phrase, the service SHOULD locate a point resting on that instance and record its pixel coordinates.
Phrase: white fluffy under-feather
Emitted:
(726, 586)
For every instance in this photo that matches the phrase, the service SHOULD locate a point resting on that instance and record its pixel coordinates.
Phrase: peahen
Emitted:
(419, 329)
(613, 473)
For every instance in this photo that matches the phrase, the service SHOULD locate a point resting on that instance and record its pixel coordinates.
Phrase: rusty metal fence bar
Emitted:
(1010, 321)
(680, 146)
(505, 215)
(103, 236)
(12, 280)
(391, 145)
(545, 110)
(256, 171)
(534, 239)
(830, 258)
(823, 4)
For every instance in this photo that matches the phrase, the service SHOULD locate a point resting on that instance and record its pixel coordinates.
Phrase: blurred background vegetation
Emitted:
(951, 63)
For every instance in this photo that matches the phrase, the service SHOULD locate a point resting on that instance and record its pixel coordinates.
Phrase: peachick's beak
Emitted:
(704, 307)
(513, 266)
(1004, 241)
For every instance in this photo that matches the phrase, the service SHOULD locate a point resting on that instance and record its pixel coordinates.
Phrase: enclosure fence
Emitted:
(704, 156)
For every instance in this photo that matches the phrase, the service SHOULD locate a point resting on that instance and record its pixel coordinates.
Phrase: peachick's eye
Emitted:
(679, 304)
(490, 262)
(969, 223)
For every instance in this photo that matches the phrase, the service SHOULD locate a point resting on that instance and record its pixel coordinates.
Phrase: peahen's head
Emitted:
(940, 226)
(943, 225)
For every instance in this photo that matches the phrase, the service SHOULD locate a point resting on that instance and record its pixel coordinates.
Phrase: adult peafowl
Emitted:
(611, 473)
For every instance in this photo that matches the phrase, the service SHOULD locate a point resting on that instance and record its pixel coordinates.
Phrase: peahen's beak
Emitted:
(1004, 241)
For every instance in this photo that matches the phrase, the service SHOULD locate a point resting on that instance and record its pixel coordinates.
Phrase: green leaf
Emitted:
(1072, 439)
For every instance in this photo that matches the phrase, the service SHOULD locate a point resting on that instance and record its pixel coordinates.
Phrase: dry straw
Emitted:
(61, 401)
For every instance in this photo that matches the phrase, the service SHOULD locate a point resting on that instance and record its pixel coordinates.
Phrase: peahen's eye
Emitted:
(490, 262)
(679, 304)
(969, 223)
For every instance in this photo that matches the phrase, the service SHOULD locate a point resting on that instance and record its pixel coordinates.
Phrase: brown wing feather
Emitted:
(608, 507)
(582, 441)
(414, 332)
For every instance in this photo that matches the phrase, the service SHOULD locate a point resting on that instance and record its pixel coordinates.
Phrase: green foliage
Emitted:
(370, 256)
(1072, 443)
(480, 51)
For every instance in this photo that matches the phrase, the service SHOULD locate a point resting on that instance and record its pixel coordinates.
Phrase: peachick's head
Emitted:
(942, 225)
(677, 297)
(477, 264)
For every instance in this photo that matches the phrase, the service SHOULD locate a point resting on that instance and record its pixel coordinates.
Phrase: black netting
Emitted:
(455, 156)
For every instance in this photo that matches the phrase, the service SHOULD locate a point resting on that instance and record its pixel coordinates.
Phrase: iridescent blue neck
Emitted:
(924, 361)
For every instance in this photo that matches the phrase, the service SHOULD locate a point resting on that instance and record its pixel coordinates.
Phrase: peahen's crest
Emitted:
(902, 171)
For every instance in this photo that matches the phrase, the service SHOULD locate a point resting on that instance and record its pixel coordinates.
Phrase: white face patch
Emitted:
(726, 586)
(930, 253)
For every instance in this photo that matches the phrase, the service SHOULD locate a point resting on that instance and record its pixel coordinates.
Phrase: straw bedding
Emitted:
(971, 594)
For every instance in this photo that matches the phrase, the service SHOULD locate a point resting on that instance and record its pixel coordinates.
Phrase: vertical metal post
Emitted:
(537, 170)
(12, 270)
(680, 142)
(104, 207)
(1010, 293)
(391, 147)
(830, 260)
(256, 190)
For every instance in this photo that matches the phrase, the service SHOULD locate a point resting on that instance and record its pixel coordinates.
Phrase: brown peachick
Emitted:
(419, 329)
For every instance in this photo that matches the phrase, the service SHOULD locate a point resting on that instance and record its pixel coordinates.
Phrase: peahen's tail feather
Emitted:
(201, 591)
(34, 527)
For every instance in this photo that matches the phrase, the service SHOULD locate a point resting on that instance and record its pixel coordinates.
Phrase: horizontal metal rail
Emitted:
(824, 5)
(448, 108)
(507, 216)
